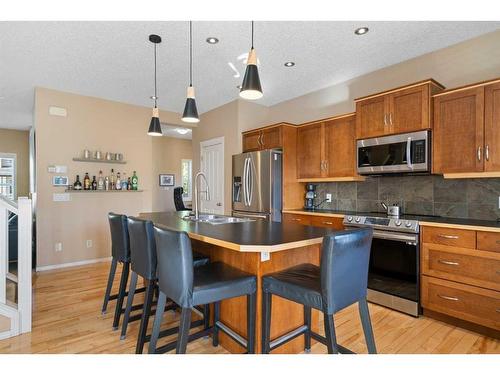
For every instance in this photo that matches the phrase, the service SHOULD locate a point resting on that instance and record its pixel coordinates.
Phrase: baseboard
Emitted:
(72, 264)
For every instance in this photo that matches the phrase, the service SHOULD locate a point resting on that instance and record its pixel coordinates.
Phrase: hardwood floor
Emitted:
(67, 319)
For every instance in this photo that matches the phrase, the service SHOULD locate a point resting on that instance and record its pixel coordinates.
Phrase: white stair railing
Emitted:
(19, 313)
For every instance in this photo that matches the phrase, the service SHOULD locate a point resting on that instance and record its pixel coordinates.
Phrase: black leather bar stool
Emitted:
(188, 286)
(340, 281)
(144, 264)
(120, 253)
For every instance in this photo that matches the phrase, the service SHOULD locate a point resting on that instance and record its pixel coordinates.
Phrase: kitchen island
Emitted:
(258, 247)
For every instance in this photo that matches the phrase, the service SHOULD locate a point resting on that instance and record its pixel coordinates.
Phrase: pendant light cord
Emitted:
(190, 53)
(156, 95)
(252, 34)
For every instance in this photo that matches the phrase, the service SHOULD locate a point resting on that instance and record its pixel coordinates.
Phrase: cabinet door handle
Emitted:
(479, 153)
(448, 298)
(390, 118)
(385, 119)
(487, 152)
(448, 262)
(295, 219)
(262, 139)
(327, 222)
(448, 237)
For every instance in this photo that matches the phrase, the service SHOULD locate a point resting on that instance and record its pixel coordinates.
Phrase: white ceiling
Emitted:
(114, 60)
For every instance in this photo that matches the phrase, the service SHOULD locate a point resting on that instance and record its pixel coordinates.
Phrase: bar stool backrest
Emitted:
(142, 247)
(345, 257)
(175, 265)
(120, 246)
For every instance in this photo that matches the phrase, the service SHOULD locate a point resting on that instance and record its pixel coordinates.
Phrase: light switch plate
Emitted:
(328, 198)
(265, 256)
(61, 197)
(58, 246)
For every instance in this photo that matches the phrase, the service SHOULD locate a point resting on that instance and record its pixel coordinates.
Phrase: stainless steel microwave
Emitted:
(400, 153)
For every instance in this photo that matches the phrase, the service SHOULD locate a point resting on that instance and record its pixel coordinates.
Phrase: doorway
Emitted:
(212, 165)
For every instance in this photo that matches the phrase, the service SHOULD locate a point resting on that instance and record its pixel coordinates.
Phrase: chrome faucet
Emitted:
(196, 197)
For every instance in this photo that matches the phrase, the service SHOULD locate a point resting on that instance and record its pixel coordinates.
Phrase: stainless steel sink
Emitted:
(217, 219)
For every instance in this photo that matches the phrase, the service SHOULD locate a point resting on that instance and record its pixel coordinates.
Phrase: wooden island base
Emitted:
(286, 315)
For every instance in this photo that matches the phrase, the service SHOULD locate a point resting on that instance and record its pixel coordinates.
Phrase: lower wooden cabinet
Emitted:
(460, 274)
(315, 220)
(473, 304)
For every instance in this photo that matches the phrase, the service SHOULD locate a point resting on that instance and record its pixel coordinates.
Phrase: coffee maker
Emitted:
(310, 196)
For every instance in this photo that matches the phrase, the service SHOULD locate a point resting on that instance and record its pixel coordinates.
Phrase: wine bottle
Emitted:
(118, 185)
(129, 184)
(124, 181)
(77, 185)
(94, 183)
(86, 182)
(100, 182)
(112, 180)
(135, 181)
(106, 183)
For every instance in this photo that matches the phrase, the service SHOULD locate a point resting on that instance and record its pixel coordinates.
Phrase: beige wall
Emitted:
(94, 124)
(467, 62)
(17, 142)
(167, 155)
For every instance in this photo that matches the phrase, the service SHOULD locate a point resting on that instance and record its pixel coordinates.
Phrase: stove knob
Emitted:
(358, 219)
(398, 223)
(408, 224)
(349, 218)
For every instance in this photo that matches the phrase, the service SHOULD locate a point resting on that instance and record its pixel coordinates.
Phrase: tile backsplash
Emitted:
(419, 195)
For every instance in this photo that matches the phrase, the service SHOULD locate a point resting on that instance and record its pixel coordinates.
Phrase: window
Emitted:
(8, 175)
(187, 177)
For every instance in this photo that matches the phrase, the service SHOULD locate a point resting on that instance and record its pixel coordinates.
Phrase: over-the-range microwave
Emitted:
(400, 153)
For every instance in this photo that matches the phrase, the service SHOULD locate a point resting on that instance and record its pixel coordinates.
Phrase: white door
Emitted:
(212, 164)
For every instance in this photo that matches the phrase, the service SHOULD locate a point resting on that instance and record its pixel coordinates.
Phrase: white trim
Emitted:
(72, 264)
(213, 142)
(7, 155)
(13, 315)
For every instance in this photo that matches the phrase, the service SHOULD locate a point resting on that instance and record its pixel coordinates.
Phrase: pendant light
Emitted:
(250, 88)
(154, 125)
(190, 112)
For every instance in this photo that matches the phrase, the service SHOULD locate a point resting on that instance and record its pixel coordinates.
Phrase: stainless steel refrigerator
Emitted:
(257, 190)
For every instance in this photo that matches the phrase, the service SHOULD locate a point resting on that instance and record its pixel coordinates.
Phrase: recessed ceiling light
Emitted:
(212, 40)
(289, 64)
(361, 31)
(182, 130)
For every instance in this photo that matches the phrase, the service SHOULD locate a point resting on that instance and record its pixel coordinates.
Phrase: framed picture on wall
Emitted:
(167, 180)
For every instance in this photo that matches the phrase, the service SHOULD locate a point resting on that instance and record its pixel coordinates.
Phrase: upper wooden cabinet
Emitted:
(466, 136)
(401, 110)
(262, 139)
(326, 150)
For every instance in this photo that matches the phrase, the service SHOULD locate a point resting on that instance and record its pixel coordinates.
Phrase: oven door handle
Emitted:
(401, 237)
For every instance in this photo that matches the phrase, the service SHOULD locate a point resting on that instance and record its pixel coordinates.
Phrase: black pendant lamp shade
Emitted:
(190, 112)
(251, 88)
(154, 125)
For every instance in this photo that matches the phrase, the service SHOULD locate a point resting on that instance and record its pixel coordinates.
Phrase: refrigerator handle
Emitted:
(245, 182)
(250, 181)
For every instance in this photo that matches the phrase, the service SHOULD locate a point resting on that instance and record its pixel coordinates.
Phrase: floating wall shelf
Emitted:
(91, 160)
(102, 191)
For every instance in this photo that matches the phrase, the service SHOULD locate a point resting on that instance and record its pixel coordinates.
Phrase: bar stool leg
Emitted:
(266, 322)
(160, 307)
(184, 326)
(130, 300)
(206, 316)
(111, 277)
(331, 339)
(307, 322)
(215, 333)
(364, 313)
(121, 295)
(146, 312)
(251, 306)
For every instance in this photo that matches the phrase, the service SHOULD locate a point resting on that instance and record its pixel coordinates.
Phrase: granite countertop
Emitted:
(252, 236)
(424, 220)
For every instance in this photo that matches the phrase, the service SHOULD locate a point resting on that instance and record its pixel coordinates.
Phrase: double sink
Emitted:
(217, 219)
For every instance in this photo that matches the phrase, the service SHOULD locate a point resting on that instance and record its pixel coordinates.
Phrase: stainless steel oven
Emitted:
(393, 275)
(401, 153)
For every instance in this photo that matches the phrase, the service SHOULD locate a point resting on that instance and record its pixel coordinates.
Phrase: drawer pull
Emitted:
(498, 311)
(448, 237)
(448, 262)
(448, 298)
(295, 219)
(327, 222)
